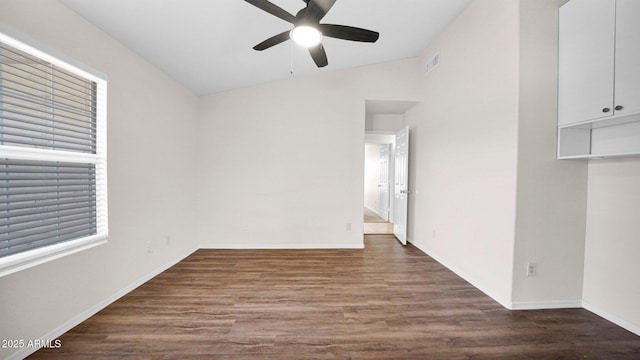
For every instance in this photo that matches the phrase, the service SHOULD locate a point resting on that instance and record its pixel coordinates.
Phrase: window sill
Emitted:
(22, 261)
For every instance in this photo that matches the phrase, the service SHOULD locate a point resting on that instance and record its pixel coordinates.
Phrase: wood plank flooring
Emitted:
(384, 302)
(371, 217)
(377, 228)
(374, 224)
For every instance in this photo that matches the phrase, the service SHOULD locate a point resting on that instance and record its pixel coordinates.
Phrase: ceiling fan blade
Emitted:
(272, 41)
(319, 55)
(349, 33)
(317, 9)
(273, 9)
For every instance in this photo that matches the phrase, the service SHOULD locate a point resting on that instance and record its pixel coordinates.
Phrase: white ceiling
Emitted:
(207, 44)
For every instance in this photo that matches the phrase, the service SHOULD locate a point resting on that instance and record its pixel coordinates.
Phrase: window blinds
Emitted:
(45, 203)
(44, 106)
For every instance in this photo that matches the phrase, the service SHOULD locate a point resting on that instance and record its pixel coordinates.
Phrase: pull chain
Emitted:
(291, 68)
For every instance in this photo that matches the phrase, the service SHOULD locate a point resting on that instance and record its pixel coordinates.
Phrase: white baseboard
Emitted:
(76, 320)
(539, 305)
(370, 209)
(536, 305)
(634, 328)
(377, 212)
(506, 303)
(276, 247)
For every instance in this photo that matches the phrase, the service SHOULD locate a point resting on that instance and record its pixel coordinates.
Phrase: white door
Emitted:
(383, 184)
(586, 60)
(627, 71)
(401, 185)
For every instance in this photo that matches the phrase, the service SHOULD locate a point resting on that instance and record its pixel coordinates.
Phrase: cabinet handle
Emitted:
(619, 107)
(606, 110)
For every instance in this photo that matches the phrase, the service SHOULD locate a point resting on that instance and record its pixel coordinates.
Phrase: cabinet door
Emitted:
(627, 57)
(586, 60)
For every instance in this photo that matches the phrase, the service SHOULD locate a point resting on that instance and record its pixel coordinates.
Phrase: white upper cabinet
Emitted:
(586, 60)
(599, 59)
(599, 79)
(627, 78)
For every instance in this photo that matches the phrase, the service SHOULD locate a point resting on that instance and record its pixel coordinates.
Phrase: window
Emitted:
(53, 190)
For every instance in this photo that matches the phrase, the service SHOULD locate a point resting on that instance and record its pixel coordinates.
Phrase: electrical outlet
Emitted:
(532, 269)
(168, 240)
(348, 226)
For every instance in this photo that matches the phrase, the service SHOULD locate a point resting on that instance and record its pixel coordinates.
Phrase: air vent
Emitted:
(435, 60)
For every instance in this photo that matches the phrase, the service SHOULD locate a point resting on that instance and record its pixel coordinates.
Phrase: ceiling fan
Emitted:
(307, 30)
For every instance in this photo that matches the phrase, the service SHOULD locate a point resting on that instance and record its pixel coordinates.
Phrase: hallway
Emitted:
(374, 224)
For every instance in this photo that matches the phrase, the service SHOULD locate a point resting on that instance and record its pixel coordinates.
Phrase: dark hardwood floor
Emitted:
(384, 302)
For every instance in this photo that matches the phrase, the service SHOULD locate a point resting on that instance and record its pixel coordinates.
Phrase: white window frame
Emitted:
(16, 262)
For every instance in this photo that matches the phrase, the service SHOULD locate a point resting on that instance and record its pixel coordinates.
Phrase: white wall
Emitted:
(488, 194)
(384, 122)
(372, 176)
(281, 164)
(611, 286)
(551, 200)
(151, 174)
(464, 147)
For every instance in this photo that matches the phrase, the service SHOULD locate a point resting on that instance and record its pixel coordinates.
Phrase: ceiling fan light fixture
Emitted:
(305, 35)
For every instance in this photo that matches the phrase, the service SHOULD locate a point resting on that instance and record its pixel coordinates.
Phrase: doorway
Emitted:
(386, 168)
(378, 185)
